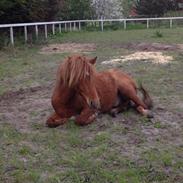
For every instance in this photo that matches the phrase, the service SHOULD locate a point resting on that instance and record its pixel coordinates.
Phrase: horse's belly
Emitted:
(107, 100)
(107, 91)
(117, 101)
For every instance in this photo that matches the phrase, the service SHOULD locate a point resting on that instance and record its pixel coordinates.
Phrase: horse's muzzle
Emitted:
(95, 104)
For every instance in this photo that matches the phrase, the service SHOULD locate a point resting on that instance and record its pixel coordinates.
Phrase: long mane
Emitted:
(74, 69)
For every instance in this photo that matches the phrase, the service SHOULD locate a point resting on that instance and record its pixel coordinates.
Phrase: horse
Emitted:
(82, 92)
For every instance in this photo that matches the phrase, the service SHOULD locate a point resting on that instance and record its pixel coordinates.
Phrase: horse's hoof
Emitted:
(150, 115)
(113, 113)
(51, 125)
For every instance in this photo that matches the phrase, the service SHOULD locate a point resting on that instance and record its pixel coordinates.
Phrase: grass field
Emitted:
(125, 149)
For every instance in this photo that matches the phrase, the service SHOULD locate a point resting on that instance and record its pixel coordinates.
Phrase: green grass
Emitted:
(121, 36)
(126, 149)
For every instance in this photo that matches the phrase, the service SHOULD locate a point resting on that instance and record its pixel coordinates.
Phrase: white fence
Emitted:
(76, 25)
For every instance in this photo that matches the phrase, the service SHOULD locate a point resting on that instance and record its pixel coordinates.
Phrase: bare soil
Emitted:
(20, 107)
(129, 146)
(130, 134)
(150, 46)
(26, 109)
(68, 48)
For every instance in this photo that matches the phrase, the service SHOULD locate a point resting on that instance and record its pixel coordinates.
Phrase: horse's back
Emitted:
(122, 78)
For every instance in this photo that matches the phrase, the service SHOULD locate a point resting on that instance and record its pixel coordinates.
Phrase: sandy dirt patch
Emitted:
(68, 48)
(150, 46)
(154, 57)
(25, 105)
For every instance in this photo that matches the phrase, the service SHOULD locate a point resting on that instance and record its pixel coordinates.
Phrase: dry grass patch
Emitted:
(154, 57)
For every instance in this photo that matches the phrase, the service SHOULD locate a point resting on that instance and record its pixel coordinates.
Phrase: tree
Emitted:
(152, 7)
(14, 11)
(127, 6)
(107, 9)
(75, 10)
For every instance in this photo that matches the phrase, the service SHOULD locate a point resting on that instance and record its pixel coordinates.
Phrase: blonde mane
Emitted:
(74, 69)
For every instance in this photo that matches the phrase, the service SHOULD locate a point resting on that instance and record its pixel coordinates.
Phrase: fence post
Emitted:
(46, 31)
(125, 24)
(25, 32)
(53, 29)
(65, 27)
(11, 36)
(70, 26)
(36, 29)
(79, 25)
(74, 25)
(60, 28)
(102, 25)
(147, 23)
(171, 23)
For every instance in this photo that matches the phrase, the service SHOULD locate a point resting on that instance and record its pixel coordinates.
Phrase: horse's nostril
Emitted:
(93, 104)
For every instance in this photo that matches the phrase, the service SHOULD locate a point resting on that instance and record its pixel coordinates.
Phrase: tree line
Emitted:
(14, 11)
(19, 11)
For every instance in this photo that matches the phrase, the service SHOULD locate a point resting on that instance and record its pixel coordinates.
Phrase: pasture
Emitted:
(125, 149)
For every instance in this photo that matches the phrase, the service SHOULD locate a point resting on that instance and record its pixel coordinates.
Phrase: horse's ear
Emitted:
(93, 61)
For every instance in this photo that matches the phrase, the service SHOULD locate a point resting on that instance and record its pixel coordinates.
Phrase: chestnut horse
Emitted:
(82, 92)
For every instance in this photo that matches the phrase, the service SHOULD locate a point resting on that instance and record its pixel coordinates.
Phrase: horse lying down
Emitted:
(82, 92)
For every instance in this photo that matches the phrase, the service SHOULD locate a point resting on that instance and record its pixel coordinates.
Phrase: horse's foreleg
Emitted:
(60, 117)
(86, 117)
(55, 120)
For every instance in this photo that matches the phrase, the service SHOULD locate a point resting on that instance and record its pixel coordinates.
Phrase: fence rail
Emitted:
(77, 25)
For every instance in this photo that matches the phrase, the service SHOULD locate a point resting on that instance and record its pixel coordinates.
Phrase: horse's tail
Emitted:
(146, 97)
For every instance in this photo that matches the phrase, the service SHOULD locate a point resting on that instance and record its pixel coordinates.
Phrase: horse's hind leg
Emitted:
(144, 112)
(123, 106)
(131, 93)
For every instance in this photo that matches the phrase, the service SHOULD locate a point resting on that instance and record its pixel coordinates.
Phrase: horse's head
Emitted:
(78, 73)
